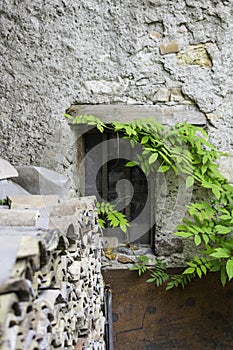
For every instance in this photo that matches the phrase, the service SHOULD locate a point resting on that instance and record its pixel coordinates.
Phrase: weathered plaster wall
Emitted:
(56, 53)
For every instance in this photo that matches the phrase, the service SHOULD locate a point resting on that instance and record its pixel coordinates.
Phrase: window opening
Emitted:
(106, 176)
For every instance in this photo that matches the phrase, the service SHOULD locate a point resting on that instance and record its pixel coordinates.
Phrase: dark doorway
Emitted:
(108, 177)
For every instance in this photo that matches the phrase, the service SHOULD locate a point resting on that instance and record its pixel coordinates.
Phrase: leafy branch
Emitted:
(109, 216)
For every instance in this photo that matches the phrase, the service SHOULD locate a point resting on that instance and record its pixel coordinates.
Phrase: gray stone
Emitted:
(32, 201)
(166, 247)
(63, 223)
(18, 217)
(75, 269)
(18, 231)
(43, 219)
(110, 242)
(10, 188)
(42, 181)
(7, 170)
(162, 95)
(9, 246)
(226, 167)
(29, 246)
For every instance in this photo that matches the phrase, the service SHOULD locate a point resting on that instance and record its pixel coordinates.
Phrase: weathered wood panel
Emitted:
(149, 318)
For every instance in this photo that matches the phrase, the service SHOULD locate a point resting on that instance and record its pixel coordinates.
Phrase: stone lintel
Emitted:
(168, 115)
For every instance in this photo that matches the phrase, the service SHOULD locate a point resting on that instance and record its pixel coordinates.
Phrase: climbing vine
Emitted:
(184, 149)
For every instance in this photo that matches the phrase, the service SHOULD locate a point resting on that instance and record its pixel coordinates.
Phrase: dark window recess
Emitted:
(107, 177)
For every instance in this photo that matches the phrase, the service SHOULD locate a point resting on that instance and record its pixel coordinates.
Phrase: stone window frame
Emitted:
(167, 115)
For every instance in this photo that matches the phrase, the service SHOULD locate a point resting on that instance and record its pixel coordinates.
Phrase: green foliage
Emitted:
(158, 275)
(109, 216)
(140, 265)
(185, 149)
(87, 119)
(179, 280)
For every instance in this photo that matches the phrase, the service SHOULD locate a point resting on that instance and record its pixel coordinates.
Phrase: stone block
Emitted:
(155, 35)
(32, 201)
(18, 217)
(176, 95)
(10, 188)
(6, 303)
(124, 259)
(166, 247)
(9, 246)
(75, 269)
(19, 286)
(29, 246)
(195, 55)
(7, 170)
(162, 95)
(171, 47)
(226, 167)
(64, 224)
(110, 242)
(68, 208)
(42, 181)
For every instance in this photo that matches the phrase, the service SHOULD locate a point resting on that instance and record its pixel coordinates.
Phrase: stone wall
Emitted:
(58, 53)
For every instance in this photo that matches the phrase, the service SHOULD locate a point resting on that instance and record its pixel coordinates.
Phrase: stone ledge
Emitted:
(167, 115)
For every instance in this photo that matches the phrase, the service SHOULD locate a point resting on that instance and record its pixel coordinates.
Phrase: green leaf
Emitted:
(144, 140)
(197, 240)
(189, 270)
(150, 280)
(153, 158)
(229, 268)
(216, 192)
(221, 253)
(183, 234)
(131, 164)
(189, 181)
(225, 217)
(223, 229)
(101, 222)
(203, 268)
(199, 272)
(163, 169)
(205, 238)
(223, 276)
(100, 128)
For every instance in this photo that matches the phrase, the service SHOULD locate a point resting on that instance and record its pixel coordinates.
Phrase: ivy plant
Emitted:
(183, 149)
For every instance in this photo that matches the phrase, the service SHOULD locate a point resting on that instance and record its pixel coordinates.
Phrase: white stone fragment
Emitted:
(7, 170)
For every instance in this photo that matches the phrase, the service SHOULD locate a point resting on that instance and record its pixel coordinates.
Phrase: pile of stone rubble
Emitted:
(51, 287)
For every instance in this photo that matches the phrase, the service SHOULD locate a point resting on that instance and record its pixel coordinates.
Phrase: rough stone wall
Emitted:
(55, 53)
